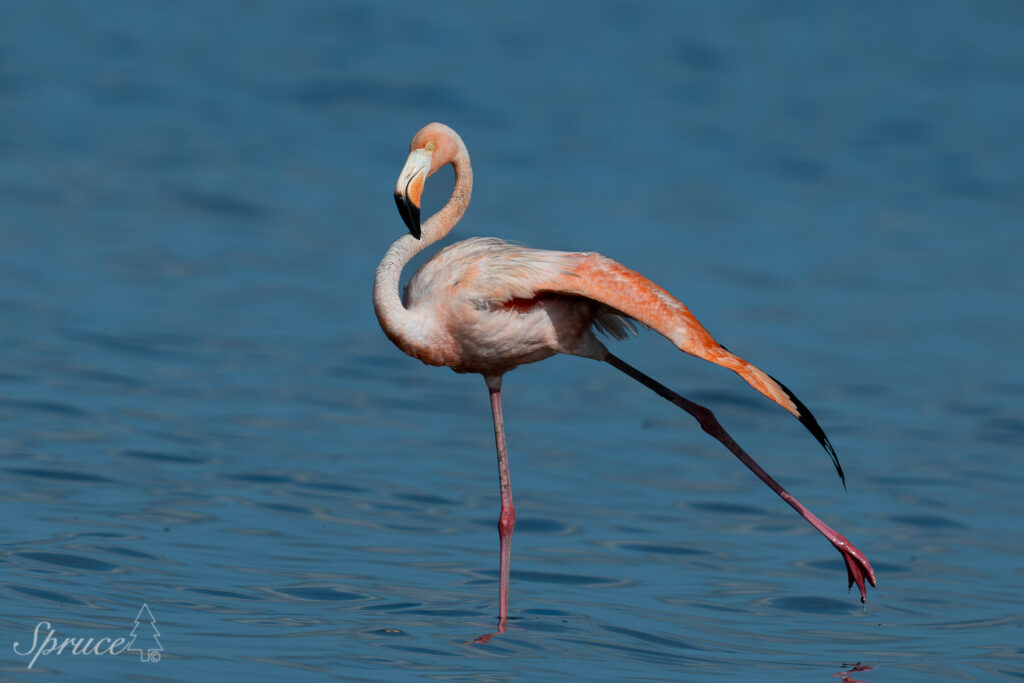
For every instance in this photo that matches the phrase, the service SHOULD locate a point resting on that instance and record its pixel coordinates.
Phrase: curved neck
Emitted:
(397, 322)
(442, 222)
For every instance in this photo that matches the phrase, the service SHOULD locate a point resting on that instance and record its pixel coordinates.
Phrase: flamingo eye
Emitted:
(430, 146)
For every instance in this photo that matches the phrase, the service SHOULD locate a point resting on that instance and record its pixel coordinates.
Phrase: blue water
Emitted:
(199, 413)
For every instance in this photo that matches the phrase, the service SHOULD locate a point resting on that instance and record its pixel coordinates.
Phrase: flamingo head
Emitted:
(431, 148)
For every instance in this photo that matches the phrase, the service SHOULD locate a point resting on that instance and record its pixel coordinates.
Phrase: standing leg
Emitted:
(507, 520)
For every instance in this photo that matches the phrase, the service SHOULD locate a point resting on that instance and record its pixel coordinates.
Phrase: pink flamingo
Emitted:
(485, 306)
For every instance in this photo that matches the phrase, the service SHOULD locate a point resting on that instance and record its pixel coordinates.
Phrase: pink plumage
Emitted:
(485, 306)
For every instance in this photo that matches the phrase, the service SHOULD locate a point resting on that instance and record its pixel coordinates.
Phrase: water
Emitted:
(199, 412)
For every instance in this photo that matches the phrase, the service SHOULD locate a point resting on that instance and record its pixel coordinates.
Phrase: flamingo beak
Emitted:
(409, 188)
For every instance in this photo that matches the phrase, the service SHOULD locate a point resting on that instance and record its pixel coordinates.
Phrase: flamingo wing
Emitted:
(628, 293)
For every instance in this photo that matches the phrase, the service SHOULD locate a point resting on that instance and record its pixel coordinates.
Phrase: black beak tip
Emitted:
(410, 214)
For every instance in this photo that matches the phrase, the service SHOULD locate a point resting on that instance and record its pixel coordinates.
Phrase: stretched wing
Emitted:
(601, 279)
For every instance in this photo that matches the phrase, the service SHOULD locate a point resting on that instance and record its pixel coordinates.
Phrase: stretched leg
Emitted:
(507, 520)
(857, 566)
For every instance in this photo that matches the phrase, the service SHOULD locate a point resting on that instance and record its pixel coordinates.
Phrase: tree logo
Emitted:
(147, 635)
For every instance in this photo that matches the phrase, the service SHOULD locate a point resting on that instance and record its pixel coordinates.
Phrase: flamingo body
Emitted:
(485, 306)
(495, 307)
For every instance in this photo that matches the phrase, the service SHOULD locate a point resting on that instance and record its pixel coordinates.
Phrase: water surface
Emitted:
(199, 412)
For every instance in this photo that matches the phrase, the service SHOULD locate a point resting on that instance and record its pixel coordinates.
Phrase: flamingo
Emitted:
(485, 306)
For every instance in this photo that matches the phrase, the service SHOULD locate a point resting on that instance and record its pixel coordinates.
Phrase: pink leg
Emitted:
(857, 566)
(507, 520)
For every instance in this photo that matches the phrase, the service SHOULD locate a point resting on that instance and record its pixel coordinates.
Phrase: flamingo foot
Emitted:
(857, 566)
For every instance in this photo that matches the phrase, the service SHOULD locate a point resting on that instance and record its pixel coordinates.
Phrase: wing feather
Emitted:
(632, 295)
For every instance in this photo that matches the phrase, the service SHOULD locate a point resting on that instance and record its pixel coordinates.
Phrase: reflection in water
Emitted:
(845, 676)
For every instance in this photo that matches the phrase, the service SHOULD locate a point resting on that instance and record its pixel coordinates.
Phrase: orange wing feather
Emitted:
(613, 284)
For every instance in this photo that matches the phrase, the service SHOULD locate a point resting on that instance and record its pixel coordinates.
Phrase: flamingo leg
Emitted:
(857, 566)
(507, 520)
